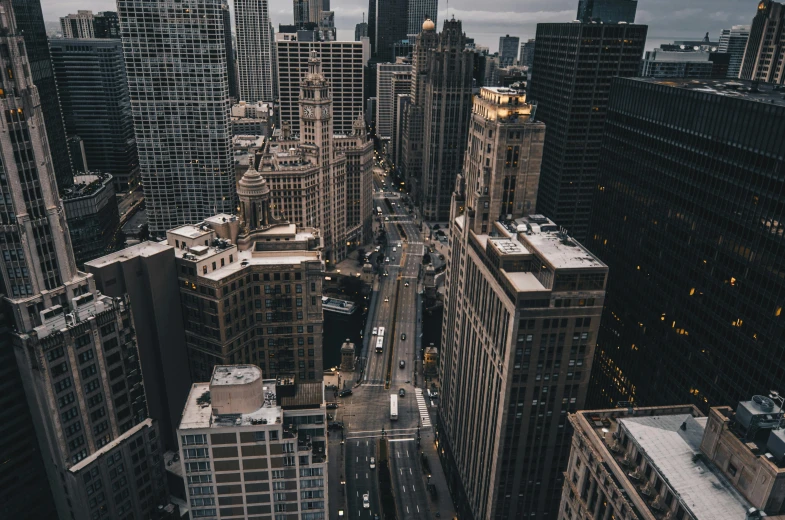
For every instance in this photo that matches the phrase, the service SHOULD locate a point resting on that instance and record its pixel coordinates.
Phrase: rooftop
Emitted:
(735, 88)
(235, 375)
(198, 411)
(143, 249)
(87, 184)
(147, 423)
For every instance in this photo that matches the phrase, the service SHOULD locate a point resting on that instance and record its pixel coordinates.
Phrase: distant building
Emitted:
(342, 64)
(720, 303)
(385, 96)
(527, 53)
(273, 428)
(360, 31)
(591, 55)
(419, 11)
(673, 462)
(734, 41)
(106, 25)
(231, 62)
(508, 50)
(255, 54)
(390, 21)
(185, 165)
(765, 52)
(401, 87)
(607, 11)
(78, 156)
(96, 107)
(84, 24)
(687, 63)
(252, 118)
(92, 214)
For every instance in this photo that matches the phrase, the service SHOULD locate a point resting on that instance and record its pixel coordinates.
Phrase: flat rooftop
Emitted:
(246, 258)
(235, 375)
(198, 412)
(143, 249)
(733, 88)
(189, 231)
(525, 282)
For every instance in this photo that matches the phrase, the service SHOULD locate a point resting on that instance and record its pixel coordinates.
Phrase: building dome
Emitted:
(252, 184)
(428, 25)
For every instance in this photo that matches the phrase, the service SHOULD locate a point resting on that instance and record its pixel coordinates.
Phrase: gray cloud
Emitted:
(486, 21)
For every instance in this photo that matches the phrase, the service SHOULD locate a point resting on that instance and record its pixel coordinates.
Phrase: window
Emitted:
(194, 467)
(196, 453)
(732, 469)
(189, 440)
(63, 384)
(200, 490)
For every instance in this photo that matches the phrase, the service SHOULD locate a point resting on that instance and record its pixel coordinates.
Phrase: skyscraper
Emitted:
(522, 307)
(360, 31)
(684, 63)
(106, 25)
(93, 89)
(30, 22)
(254, 50)
(75, 348)
(342, 64)
(734, 41)
(447, 106)
(390, 22)
(385, 97)
(181, 113)
(689, 215)
(607, 11)
(419, 11)
(569, 54)
(79, 25)
(527, 53)
(508, 50)
(763, 57)
(231, 63)
(93, 216)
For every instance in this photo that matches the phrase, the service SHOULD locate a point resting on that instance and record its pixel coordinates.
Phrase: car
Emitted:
(403, 336)
(386, 300)
(395, 249)
(332, 406)
(402, 392)
(336, 425)
(402, 363)
(386, 219)
(386, 273)
(406, 284)
(375, 331)
(345, 393)
(387, 259)
(373, 462)
(330, 417)
(366, 501)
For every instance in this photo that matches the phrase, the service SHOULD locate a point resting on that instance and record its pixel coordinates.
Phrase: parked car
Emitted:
(402, 392)
(345, 393)
(403, 336)
(375, 331)
(402, 363)
(373, 462)
(336, 425)
(332, 406)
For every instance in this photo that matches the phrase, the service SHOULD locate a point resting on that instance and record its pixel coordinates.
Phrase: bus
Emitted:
(393, 407)
(378, 210)
(381, 332)
(379, 344)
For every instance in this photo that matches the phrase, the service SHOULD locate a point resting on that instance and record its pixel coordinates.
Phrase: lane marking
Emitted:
(400, 440)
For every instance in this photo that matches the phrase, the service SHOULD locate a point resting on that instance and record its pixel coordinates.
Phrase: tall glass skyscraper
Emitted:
(179, 93)
(254, 50)
(607, 11)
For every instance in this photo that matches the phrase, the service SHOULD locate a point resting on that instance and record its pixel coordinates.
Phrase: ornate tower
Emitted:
(316, 110)
(254, 195)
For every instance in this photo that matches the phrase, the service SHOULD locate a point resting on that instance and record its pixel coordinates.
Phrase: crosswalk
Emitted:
(424, 415)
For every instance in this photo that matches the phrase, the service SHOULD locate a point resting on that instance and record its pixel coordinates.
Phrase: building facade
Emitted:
(255, 55)
(92, 215)
(508, 50)
(342, 64)
(75, 348)
(185, 163)
(419, 11)
(273, 428)
(447, 107)
(684, 342)
(763, 56)
(526, 57)
(360, 31)
(93, 88)
(401, 87)
(734, 42)
(79, 25)
(390, 21)
(687, 63)
(231, 62)
(385, 96)
(252, 119)
(590, 55)
(607, 11)
(30, 21)
(522, 307)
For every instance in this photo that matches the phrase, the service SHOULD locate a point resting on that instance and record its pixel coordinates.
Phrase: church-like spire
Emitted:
(254, 194)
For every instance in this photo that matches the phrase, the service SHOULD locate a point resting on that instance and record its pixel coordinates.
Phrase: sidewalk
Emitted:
(443, 502)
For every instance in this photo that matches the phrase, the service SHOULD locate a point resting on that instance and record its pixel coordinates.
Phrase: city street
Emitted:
(366, 413)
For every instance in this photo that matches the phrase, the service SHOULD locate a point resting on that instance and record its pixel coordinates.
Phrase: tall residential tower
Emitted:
(763, 57)
(255, 53)
(179, 93)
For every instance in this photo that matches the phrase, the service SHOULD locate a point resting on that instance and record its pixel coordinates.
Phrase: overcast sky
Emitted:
(486, 20)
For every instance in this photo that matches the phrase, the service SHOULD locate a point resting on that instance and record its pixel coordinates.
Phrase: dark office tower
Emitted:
(763, 58)
(181, 113)
(24, 488)
(93, 91)
(689, 218)
(447, 109)
(419, 11)
(734, 41)
(508, 50)
(106, 25)
(685, 63)
(390, 23)
(231, 70)
(527, 53)
(522, 307)
(75, 348)
(30, 22)
(607, 11)
(574, 64)
(360, 31)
